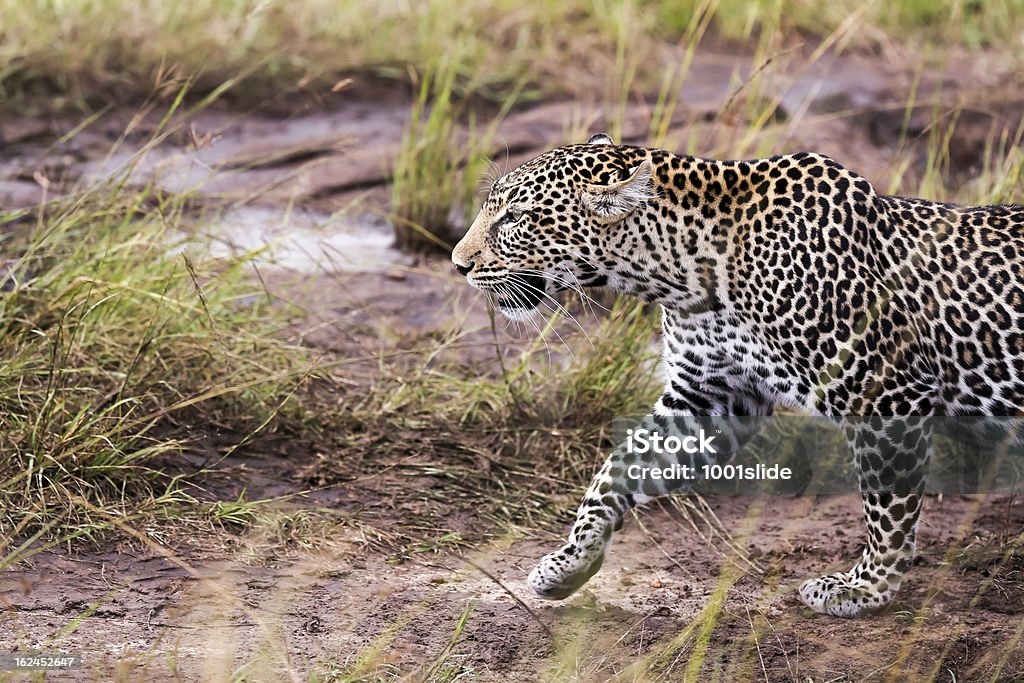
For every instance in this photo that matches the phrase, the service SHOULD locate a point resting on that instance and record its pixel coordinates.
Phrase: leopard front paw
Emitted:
(560, 574)
(843, 595)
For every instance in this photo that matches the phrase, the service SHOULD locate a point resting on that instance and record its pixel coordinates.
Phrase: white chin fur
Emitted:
(517, 313)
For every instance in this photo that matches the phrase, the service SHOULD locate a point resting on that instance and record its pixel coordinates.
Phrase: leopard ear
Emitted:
(616, 201)
(601, 139)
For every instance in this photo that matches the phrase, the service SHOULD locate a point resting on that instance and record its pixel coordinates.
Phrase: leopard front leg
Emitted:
(712, 387)
(891, 455)
(624, 482)
(611, 494)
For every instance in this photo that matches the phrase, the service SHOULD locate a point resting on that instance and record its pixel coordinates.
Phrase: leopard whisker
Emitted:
(529, 318)
(559, 308)
(578, 288)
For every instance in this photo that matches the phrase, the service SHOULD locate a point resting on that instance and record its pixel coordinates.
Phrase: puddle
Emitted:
(303, 240)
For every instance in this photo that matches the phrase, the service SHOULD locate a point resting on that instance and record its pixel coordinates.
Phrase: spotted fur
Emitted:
(783, 282)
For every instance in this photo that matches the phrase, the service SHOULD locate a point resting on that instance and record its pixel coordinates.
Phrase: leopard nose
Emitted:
(464, 269)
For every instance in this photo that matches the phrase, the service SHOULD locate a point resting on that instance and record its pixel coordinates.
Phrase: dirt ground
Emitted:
(959, 616)
(682, 595)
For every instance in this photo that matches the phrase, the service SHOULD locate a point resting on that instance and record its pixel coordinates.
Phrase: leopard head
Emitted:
(543, 226)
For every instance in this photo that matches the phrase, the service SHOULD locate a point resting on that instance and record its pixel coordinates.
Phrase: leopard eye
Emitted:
(510, 217)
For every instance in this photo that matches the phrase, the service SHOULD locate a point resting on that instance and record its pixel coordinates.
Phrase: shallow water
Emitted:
(304, 241)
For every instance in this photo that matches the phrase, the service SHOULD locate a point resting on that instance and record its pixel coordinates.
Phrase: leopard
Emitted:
(784, 284)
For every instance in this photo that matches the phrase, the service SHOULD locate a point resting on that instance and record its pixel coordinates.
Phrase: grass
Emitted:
(436, 176)
(79, 54)
(124, 346)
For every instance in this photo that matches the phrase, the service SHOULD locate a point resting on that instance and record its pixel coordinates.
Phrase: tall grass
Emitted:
(89, 51)
(436, 177)
(122, 345)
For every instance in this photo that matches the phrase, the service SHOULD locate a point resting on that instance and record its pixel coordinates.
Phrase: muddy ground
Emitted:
(197, 606)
